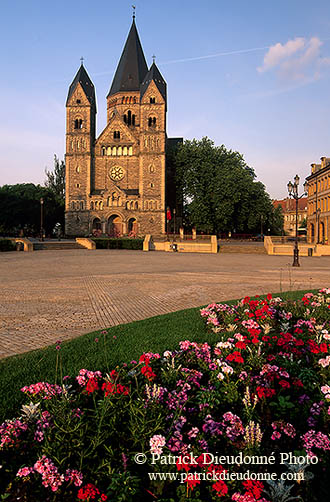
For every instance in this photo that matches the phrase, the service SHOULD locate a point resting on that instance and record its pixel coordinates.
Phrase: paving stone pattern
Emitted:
(51, 295)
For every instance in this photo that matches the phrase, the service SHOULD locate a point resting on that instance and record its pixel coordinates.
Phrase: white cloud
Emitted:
(297, 60)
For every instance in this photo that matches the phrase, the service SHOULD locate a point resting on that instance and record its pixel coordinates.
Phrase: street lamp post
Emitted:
(293, 192)
(41, 219)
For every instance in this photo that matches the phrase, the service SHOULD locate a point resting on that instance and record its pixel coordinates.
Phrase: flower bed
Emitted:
(245, 420)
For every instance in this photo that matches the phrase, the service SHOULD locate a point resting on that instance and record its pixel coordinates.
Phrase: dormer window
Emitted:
(152, 100)
(116, 134)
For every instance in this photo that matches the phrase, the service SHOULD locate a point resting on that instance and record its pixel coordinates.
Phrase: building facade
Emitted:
(318, 230)
(120, 182)
(288, 206)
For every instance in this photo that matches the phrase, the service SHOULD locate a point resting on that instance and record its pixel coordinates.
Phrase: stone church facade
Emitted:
(120, 182)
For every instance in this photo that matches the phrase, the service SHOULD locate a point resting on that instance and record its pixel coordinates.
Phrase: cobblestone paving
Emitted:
(51, 295)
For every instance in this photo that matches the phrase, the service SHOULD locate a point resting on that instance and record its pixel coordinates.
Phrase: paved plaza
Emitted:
(51, 295)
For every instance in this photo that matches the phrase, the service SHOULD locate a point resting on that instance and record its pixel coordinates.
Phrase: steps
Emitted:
(56, 245)
(250, 249)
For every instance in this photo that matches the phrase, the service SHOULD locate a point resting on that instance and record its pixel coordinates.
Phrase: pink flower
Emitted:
(24, 471)
(156, 444)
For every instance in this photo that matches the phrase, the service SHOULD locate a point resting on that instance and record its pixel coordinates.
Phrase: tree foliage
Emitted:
(20, 210)
(219, 190)
(55, 180)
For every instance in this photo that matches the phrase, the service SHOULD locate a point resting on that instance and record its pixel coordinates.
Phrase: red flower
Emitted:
(284, 384)
(192, 481)
(235, 356)
(144, 359)
(147, 372)
(254, 488)
(103, 497)
(221, 488)
(88, 491)
(265, 392)
(182, 465)
(323, 347)
(92, 385)
(269, 296)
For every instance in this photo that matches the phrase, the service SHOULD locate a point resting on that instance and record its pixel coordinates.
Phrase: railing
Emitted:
(241, 237)
(177, 237)
(287, 239)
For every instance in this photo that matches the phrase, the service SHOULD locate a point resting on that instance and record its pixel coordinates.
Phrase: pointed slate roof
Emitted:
(155, 75)
(82, 77)
(132, 66)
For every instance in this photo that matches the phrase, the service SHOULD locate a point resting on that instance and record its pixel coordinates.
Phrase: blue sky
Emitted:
(253, 76)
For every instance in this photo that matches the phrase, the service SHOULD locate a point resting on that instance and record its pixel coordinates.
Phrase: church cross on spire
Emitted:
(133, 7)
(82, 60)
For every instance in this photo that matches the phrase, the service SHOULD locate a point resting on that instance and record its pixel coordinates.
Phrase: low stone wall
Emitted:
(86, 243)
(28, 245)
(181, 246)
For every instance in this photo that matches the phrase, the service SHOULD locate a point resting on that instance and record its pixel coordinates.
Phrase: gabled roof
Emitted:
(155, 75)
(82, 78)
(132, 66)
(289, 204)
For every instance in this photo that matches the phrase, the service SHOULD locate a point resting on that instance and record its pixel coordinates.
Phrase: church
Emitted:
(120, 183)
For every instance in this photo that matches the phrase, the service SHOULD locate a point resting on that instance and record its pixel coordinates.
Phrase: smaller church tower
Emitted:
(80, 138)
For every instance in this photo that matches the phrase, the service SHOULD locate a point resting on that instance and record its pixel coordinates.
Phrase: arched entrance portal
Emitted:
(115, 226)
(132, 225)
(97, 224)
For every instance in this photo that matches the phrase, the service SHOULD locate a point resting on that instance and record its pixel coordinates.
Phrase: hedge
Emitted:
(118, 243)
(7, 245)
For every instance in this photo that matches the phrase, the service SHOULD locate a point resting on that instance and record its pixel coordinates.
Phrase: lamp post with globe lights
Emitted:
(293, 192)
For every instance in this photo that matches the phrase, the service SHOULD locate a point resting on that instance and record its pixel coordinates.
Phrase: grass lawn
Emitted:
(120, 344)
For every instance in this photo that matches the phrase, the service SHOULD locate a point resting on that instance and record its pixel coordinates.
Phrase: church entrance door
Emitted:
(115, 227)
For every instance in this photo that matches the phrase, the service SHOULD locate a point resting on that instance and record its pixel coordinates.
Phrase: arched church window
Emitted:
(123, 100)
(129, 117)
(78, 101)
(119, 150)
(109, 151)
(152, 100)
(125, 150)
(130, 151)
(81, 205)
(151, 169)
(134, 99)
(78, 124)
(136, 205)
(114, 150)
(103, 151)
(152, 121)
(116, 134)
(73, 205)
(92, 205)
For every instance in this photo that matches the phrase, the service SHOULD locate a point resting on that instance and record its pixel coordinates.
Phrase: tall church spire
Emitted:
(132, 66)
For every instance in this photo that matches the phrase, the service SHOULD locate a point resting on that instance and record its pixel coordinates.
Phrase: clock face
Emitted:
(116, 173)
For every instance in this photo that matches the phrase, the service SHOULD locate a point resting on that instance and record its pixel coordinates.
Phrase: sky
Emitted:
(253, 76)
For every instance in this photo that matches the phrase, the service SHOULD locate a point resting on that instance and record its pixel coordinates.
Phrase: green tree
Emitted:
(219, 189)
(55, 180)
